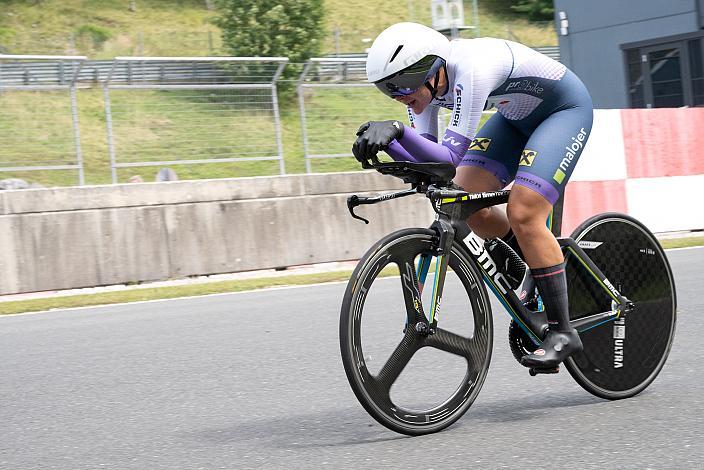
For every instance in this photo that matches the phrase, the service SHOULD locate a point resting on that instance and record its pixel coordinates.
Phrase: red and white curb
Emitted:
(647, 163)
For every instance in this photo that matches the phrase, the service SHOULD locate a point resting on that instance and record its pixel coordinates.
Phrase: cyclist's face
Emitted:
(418, 100)
(421, 98)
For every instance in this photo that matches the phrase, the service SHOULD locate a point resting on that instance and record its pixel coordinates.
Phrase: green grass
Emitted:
(106, 28)
(142, 294)
(681, 242)
(158, 27)
(37, 126)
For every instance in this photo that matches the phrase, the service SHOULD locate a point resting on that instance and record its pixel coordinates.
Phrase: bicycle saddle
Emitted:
(439, 174)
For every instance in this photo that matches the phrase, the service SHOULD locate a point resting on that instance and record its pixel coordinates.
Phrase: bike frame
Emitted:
(452, 212)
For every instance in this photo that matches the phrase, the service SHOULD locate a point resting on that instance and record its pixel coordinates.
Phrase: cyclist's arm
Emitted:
(472, 89)
(422, 149)
(419, 141)
(471, 92)
(425, 124)
(399, 154)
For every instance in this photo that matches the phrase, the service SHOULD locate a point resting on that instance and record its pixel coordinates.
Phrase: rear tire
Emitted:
(622, 357)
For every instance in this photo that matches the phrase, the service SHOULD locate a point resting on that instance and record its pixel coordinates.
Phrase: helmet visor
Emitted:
(410, 79)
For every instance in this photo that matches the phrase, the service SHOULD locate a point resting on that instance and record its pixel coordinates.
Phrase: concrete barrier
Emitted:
(642, 162)
(100, 235)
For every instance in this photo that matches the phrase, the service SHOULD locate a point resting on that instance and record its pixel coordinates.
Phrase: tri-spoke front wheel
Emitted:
(409, 380)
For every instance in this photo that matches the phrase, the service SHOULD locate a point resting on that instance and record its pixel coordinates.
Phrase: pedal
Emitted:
(533, 371)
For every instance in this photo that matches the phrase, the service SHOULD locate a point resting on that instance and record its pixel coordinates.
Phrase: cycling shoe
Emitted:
(555, 348)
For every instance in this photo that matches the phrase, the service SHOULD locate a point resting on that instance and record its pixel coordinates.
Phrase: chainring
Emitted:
(519, 341)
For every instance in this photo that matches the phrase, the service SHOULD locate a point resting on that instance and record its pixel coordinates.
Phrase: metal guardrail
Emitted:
(551, 51)
(38, 72)
(97, 71)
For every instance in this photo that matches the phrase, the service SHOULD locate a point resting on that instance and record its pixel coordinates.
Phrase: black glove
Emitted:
(374, 136)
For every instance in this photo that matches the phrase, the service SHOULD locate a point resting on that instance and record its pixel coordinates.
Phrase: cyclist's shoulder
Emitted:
(463, 51)
(472, 59)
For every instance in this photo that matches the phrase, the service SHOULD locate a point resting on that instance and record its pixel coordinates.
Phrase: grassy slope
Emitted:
(180, 27)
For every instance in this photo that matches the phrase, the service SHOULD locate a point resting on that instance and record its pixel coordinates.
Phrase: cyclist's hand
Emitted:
(374, 136)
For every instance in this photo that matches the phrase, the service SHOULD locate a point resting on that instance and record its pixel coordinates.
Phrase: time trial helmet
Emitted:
(404, 57)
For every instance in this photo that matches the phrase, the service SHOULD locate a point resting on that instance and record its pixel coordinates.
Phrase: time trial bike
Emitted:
(621, 300)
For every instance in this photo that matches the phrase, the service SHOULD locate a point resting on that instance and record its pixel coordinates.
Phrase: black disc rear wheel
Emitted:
(621, 357)
(410, 381)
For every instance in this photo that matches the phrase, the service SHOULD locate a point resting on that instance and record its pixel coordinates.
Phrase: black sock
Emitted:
(552, 286)
(512, 241)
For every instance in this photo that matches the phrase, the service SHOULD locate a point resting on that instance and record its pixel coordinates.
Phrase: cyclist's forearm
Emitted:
(399, 154)
(425, 150)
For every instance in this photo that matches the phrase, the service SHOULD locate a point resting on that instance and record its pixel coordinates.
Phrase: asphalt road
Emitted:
(254, 380)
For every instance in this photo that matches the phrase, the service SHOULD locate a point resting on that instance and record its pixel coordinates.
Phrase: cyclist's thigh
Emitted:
(495, 150)
(552, 151)
(476, 180)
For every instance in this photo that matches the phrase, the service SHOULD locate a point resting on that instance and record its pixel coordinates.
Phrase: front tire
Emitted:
(380, 391)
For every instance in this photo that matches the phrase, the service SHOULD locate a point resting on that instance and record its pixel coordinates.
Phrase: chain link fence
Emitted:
(187, 111)
(39, 128)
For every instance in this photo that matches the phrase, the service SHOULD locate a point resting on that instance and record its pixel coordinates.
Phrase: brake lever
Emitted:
(352, 202)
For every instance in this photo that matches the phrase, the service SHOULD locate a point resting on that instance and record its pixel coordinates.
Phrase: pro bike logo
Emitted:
(572, 150)
(458, 106)
(480, 143)
(619, 339)
(527, 157)
(529, 86)
(476, 247)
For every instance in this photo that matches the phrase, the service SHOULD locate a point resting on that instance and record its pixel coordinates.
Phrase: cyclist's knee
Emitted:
(481, 218)
(527, 212)
(519, 215)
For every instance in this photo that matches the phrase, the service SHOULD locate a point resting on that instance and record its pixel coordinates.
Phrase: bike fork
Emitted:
(446, 235)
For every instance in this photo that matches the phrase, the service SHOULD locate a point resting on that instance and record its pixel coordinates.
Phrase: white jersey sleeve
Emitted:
(476, 68)
(425, 123)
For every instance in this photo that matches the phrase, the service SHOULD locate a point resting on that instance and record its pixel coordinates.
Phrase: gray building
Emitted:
(635, 53)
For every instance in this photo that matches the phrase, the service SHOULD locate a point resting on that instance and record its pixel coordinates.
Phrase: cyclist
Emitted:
(542, 122)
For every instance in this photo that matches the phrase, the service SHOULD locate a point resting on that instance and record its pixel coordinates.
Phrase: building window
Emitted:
(668, 75)
(635, 79)
(696, 71)
(666, 78)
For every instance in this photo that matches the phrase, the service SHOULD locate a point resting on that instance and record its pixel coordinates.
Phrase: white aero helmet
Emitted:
(404, 57)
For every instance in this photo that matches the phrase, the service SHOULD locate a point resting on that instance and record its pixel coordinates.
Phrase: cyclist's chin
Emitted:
(418, 106)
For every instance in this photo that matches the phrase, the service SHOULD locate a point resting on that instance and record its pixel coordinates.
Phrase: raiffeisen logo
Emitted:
(458, 105)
